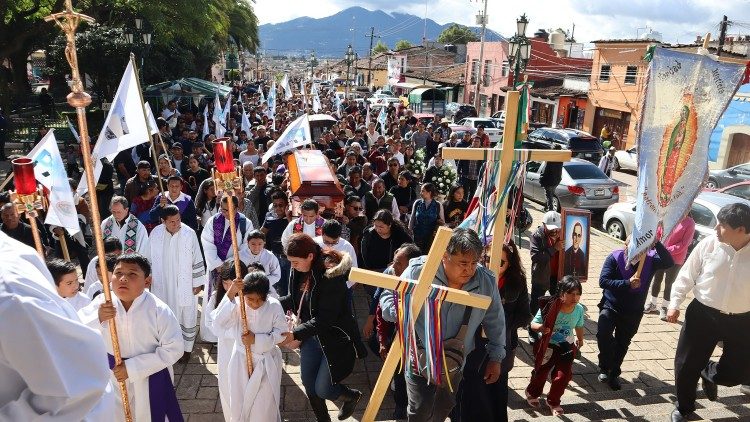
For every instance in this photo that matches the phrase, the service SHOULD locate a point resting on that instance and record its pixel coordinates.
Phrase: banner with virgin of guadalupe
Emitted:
(685, 96)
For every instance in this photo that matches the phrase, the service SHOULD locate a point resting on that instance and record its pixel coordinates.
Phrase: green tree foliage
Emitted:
(457, 34)
(403, 44)
(380, 47)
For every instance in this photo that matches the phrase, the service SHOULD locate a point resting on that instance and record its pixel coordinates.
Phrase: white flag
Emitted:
(153, 128)
(262, 96)
(50, 172)
(382, 117)
(295, 135)
(73, 130)
(123, 128)
(287, 88)
(337, 102)
(245, 122)
(272, 103)
(205, 123)
(368, 119)
(304, 95)
(219, 123)
(227, 111)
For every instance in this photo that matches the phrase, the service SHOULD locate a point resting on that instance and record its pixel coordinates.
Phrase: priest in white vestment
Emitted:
(126, 227)
(178, 274)
(51, 365)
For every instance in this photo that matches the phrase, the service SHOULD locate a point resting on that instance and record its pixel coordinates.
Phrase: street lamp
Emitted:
(142, 38)
(349, 60)
(519, 49)
(313, 63)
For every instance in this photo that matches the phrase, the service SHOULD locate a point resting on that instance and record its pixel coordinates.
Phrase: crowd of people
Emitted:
(169, 253)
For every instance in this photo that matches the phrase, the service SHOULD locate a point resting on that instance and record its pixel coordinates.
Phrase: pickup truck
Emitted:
(495, 134)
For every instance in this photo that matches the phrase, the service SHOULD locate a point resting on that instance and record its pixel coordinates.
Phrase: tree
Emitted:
(380, 47)
(402, 45)
(457, 34)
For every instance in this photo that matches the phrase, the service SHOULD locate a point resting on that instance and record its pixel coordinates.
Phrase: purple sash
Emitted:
(223, 241)
(628, 271)
(161, 395)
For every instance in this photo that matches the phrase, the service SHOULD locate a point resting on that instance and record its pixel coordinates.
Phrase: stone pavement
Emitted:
(648, 376)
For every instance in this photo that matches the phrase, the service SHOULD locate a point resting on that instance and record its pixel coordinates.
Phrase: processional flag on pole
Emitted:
(153, 128)
(686, 94)
(124, 126)
(50, 172)
(382, 117)
(73, 130)
(295, 135)
(206, 129)
(287, 88)
(245, 122)
(272, 103)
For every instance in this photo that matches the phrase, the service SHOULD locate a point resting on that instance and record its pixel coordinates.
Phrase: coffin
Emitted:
(310, 177)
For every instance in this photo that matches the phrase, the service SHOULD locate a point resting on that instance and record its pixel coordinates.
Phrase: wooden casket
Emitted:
(310, 177)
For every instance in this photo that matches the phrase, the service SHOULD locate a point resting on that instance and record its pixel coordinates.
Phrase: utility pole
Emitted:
(483, 18)
(372, 37)
(722, 34)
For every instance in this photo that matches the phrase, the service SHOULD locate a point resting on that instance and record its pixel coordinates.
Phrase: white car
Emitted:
(383, 99)
(495, 134)
(499, 119)
(626, 160)
(619, 218)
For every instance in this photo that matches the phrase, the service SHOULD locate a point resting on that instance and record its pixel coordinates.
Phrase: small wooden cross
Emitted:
(505, 155)
(420, 293)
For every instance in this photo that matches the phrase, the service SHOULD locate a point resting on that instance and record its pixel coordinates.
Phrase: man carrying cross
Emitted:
(459, 269)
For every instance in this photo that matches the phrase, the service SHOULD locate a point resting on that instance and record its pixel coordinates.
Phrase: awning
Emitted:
(408, 85)
(193, 88)
(426, 94)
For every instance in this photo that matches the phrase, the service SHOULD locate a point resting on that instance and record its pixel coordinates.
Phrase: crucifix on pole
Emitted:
(420, 293)
(505, 156)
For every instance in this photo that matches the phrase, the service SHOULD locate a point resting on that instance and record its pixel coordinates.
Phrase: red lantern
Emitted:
(23, 170)
(223, 156)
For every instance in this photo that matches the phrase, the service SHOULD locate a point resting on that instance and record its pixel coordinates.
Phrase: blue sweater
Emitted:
(615, 280)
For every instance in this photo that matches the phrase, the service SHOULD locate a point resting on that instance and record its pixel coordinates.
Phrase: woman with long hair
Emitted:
(426, 216)
(206, 201)
(476, 399)
(381, 240)
(194, 175)
(455, 206)
(325, 328)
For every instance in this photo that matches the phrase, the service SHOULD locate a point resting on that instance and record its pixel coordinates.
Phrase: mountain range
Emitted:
(330, 36)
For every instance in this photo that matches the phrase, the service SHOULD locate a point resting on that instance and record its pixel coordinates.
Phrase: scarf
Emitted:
(131, 232)
(161, 395)
(223, 241)
(299, 226)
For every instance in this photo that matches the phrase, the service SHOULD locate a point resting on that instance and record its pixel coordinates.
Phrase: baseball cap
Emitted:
(551, 220)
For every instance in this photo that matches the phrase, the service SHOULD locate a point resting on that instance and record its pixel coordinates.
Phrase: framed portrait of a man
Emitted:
(576, 233)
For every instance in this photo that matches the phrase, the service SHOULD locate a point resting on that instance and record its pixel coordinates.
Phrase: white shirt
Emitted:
(308, 229)
(399, 156)
(342, 245)
(717, 275)
(253, 158)
(170, 116)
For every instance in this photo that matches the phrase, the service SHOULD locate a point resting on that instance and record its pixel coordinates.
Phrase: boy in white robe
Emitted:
(257, 253)
(126, 227)
(178, 274)
(150, 341)
(254, 397)
(65, 276)
(217, 247)
(51, 365)
(112, 246)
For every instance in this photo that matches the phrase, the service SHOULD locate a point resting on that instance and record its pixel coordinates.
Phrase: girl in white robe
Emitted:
(256, 252)
(255, 397)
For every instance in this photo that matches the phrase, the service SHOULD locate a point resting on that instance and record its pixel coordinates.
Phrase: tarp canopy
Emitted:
(426, 94)
(185, 90)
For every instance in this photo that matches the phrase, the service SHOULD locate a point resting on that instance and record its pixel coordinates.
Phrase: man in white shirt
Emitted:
(170, 113)
(717, 274)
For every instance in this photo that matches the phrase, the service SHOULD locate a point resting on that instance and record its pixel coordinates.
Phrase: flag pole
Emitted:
(68, 21)
(64, 245)
(148, 126)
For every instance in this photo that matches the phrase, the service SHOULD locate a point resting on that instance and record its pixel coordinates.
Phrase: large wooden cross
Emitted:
(505, 155)
(420, 293)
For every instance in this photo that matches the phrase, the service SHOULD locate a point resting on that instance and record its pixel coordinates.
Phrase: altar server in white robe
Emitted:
(51, 365)
(178, 273)
(65, 275)
(126, 227)
(150, 341)
(256, 252)
(255, 397)
(112, 246)
(217, 247)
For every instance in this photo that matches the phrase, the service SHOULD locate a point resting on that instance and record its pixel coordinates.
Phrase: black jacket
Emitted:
(552, 174)
(541, 255)
(377, 253)
(327, 316)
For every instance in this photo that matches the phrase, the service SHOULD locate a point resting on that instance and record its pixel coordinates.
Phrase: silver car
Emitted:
(619, 218)
(722, 178)
(583, 186)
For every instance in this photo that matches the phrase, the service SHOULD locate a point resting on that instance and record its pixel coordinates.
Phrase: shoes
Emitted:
(745, 389)
(531, 400)
(614, 384)
(709, 387)
(663, 314)
(399, 413)
(603, 377)
(676, 416)
(556, 410)
(649, 308)
(350, 398)
(319, 409)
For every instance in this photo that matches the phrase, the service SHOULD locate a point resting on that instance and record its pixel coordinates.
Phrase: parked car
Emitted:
(740, 190)
(499, 119)
(383, 99)
(626, 160)
(458, 111)
(619, 218)
(425, 118)
(721, 178)
(459, 130)
(583, 185)
(495, 134)
(581, 144)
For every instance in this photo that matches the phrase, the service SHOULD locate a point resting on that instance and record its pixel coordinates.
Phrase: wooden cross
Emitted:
(505, 155)
(420, 293)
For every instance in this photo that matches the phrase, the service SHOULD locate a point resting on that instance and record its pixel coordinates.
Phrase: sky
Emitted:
(679, 21)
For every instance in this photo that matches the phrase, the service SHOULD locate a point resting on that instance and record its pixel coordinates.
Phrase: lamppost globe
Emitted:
(147, 39)
(138, 23)
(521, 24)
(525, 51)
(129, 37)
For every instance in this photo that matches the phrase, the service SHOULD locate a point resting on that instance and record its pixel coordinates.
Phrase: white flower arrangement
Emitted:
(416, 164)
(445, 179)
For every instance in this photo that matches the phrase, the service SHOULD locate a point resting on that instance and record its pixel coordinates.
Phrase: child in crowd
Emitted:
(257, 252)
(226, 339)
(96, 288)
(150, 341)
(112, 245)
(255, 397)
(66, 279)
(557, 322)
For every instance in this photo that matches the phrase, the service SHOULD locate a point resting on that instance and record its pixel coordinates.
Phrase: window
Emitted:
(474, 71)
(533, 166)
(487, 77)
(506, 68)
(702, 215)
(578, 171)
(631, 74)
(604, 73)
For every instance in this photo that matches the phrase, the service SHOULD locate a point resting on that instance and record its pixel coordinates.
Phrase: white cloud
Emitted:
(677, 20)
